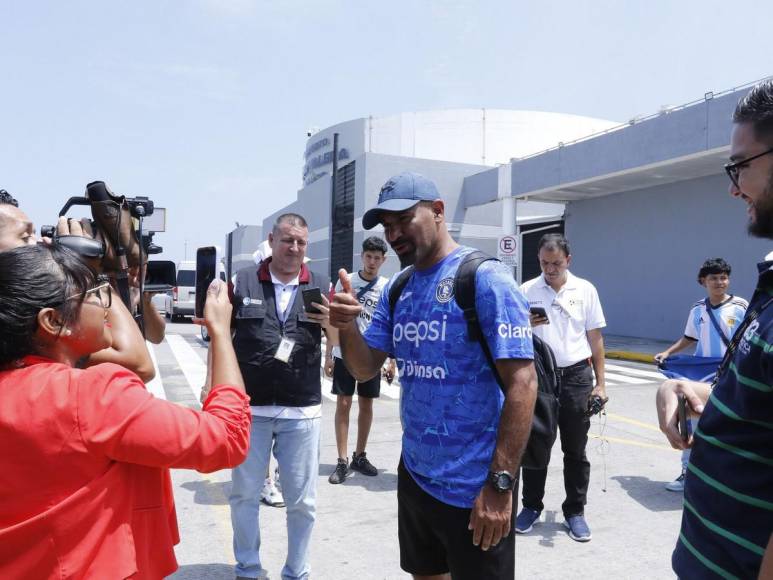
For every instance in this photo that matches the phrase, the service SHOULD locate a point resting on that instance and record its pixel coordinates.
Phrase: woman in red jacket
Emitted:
(80, 446)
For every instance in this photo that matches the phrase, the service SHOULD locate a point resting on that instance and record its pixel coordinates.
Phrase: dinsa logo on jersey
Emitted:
(418, 332)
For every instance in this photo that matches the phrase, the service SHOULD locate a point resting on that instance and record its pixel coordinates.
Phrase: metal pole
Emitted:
(333, 201)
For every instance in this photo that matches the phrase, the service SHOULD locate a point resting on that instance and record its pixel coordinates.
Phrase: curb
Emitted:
(630, 355)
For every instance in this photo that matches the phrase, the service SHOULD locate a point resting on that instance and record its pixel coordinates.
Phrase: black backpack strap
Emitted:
(464, 293)
(397, 288)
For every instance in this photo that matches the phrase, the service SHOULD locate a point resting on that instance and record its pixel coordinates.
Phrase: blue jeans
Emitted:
(296, 448)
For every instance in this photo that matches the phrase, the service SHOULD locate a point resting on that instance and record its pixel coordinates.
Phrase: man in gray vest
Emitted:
(277, 344)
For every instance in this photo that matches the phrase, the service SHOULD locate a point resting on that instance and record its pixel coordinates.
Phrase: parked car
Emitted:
(182, 300)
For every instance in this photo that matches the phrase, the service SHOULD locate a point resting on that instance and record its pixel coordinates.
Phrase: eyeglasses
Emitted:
(103, 292)
(733, 170)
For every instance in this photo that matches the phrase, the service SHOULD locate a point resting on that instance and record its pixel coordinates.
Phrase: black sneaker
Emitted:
(341, 473)
(360, 463)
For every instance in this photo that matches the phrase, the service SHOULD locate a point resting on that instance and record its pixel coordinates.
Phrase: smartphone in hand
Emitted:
(311, 295)
(682, 424)
(540, 313)
(207, 259)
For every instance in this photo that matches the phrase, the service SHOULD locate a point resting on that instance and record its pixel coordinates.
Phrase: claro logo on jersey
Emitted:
(511, 331)
(418, 332)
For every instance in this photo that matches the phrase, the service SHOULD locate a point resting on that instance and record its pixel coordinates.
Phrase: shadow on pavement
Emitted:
(652, 495)
(548, 529)
(384, 481)
(204, 571)
(209, 492)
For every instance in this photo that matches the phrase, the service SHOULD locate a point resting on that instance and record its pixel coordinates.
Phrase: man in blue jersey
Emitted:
(728, 497)
(710, 326)
(463, 434)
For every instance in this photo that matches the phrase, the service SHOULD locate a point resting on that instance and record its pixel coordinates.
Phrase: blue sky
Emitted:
(203, 105)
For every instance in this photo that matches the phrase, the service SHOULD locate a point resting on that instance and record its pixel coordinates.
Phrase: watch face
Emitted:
(503, 481)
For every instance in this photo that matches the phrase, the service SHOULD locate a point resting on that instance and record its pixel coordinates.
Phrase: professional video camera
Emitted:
(114, 240)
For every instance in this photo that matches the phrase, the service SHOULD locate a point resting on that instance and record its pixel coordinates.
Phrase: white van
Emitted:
(182, 300)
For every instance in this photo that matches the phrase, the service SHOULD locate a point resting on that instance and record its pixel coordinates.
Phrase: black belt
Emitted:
(576, 366)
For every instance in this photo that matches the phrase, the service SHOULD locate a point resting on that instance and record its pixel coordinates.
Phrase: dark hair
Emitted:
(374, 244)
(33, 278)
(553, 242)
(7, 198)
(713, 266)
(757, 108)
(293, 219)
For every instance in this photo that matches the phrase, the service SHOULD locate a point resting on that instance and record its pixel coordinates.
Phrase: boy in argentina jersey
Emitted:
(463, 433)
(451, 401)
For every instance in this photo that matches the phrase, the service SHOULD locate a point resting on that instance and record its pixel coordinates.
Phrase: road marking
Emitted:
(635, 372)
(633, 422)
(156, 386)
(190, 363)
(615, 378)
(631, 442)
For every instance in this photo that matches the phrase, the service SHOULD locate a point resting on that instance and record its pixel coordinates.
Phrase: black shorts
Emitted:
(343, 383)
(434, 538)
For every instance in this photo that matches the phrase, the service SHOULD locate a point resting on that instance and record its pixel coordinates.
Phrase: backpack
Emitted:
(545, 423)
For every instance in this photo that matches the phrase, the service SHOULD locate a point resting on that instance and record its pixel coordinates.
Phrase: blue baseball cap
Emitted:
(401, 192)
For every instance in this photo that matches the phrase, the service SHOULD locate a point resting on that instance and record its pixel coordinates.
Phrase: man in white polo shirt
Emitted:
(571, 325)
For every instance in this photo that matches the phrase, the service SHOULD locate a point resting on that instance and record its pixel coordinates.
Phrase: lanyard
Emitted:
(750, 317)
(282, 316)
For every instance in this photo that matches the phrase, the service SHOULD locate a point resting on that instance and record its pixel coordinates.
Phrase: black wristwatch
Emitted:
(503, 481)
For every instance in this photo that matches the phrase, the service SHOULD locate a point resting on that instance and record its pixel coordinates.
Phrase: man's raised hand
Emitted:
(345, 308)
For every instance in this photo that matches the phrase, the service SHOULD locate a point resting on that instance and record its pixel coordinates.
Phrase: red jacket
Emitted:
(84, 489)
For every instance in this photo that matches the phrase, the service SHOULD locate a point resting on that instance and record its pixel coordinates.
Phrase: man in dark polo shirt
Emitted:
(277, 344)
(728, 499)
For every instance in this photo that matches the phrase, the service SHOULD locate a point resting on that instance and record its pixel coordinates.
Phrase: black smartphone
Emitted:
(539, 311)
(206, 271)
(681, 418)
(311, 295)
(161, 276)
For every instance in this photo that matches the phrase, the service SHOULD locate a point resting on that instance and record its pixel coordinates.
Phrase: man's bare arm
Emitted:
(490, 520)
(362, 361)
(155, 325)
(520, 379)
(596, 340)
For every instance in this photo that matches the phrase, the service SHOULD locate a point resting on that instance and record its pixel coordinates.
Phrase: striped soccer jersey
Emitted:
(728, 314)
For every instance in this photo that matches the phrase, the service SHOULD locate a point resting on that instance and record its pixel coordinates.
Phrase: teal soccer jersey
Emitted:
(451, 402)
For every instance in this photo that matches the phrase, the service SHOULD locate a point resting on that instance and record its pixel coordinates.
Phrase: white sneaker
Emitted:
(271, 495)
(677, 485)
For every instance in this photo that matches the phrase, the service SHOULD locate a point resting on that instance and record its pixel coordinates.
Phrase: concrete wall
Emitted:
(643, 249)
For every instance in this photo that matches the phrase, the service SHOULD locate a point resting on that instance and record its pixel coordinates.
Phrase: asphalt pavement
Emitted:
(634, 520)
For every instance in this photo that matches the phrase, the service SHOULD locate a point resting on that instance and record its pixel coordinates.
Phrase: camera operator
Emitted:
(15, 227)
(128, 347)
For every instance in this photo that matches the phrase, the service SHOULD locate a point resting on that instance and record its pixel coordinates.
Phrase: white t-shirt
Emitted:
(572, 311)
(284, 295)
(369, 300)
(728, 315)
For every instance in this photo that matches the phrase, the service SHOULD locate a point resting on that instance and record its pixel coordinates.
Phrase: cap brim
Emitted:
(372, 217)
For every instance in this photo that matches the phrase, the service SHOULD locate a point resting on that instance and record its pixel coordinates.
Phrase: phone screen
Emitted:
(206, 271)
(311, 295)
(539, 311)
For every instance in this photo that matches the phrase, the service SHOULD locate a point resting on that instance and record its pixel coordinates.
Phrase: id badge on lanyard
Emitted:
(285, 350)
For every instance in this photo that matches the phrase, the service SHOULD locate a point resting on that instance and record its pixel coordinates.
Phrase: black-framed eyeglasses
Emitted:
(103, 292)
(734, 169)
